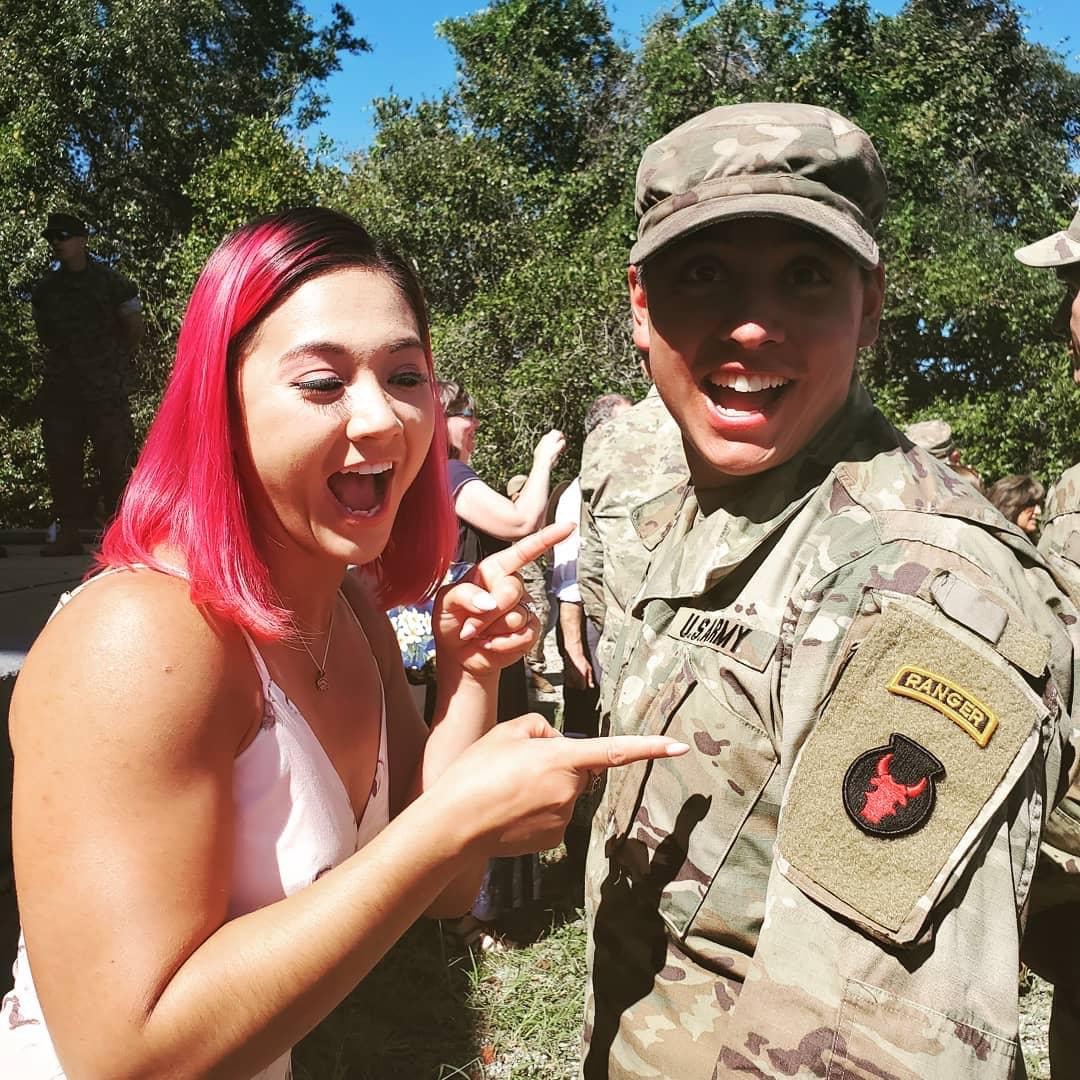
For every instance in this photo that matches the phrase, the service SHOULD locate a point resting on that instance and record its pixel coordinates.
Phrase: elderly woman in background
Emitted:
(1019, 497)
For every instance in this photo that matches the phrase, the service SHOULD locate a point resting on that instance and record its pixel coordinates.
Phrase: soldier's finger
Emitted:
(522, 552)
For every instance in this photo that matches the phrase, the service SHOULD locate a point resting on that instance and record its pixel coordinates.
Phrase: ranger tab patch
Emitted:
(890, 790)
(961, 707)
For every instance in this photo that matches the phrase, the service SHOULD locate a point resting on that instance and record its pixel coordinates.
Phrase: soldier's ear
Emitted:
(639, 307)
(873, 282)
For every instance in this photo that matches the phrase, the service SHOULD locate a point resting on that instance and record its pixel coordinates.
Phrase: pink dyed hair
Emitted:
(187, 491)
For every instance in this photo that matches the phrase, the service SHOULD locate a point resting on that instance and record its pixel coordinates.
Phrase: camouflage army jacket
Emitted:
(1060, 537)
(626, 462)
(1060, 544)
(78, 322)
(874, 672)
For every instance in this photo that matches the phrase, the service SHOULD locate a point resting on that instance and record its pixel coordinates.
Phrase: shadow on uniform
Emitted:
(630, 952)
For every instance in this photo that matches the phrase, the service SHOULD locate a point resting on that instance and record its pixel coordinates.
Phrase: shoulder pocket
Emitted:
(921, 740)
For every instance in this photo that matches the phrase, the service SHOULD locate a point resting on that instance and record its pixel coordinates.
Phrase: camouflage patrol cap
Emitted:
(933, 435)
(1059, 249)
(801, 163)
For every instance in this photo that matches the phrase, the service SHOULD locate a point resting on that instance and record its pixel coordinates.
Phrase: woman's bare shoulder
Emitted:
(134, 642)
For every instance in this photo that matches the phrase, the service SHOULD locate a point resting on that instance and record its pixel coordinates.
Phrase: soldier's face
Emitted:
(752, 328)
(1067, 320)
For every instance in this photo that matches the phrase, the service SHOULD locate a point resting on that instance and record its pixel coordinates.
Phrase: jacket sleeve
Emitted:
(908, 837)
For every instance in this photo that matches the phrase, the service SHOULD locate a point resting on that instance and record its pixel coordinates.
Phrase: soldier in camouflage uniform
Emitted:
(1060, 252)
(88, 320)
(875, 670)
(633, 458)
(1052, 944)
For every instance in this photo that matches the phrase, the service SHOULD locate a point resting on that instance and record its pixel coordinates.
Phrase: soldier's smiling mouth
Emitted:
(742, 394)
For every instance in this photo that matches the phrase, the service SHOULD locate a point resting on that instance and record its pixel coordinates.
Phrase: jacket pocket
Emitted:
(678, 822)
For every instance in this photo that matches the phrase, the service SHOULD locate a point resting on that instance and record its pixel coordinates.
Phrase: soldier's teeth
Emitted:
(743, 383)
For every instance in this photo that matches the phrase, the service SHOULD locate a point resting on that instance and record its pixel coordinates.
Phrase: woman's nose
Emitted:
(371, 413)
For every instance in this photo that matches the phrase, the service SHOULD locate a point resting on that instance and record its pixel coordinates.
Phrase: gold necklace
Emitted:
(321, 681)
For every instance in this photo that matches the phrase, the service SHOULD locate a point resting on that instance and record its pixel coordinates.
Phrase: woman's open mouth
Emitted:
(742, 395)
(361, 489)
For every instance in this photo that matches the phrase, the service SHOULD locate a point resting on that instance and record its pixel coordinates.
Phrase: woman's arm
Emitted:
(484, 508)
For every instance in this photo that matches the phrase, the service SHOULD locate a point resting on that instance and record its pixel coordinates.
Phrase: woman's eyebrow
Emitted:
(336, 348)
(313, 348)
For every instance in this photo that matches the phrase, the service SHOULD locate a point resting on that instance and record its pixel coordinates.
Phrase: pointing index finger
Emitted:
(615, 750)
(522, 552)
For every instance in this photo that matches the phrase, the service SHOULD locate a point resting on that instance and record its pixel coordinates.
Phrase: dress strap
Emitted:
(260, 663)
(70, 595)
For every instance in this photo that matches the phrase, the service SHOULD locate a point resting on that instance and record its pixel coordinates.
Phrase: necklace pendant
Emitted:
(322, 682)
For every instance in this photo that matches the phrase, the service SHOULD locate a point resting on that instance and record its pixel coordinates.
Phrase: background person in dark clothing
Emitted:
(89, 322)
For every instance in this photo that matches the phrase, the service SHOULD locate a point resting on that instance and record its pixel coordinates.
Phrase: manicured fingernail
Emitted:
(484, 602)
(675, 748)
(468, 631)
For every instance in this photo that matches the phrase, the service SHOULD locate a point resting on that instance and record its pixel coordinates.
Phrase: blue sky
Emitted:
(411, 61)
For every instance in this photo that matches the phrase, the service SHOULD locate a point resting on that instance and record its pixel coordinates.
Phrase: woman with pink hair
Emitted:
(226, 808)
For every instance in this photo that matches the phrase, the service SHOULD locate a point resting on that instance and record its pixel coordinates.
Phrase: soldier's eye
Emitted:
(805, 273)
(702, 270)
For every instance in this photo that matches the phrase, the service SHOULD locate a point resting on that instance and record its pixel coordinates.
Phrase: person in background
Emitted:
(1052, 943)
(226, 808)
(936, 437)
(1019, 498)
(577, 643)
(625, 464)
(489, 522)
(577, 637)
(89, 322)
(534, 577)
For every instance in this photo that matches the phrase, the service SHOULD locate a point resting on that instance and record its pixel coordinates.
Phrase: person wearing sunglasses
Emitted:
(89, 323)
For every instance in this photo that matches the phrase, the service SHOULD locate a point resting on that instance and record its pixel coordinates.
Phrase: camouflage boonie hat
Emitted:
(934, 436)
(801, 163)
(1059, 249)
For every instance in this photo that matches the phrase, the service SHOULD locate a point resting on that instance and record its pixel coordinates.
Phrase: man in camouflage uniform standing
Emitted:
(1060, 252)
(1052, 941)
(89, 323)
(874, 670)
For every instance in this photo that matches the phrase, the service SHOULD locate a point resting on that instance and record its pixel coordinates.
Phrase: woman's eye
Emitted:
(327, 385)
(410, 379)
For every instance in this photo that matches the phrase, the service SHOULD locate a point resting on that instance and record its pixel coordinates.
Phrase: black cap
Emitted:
(64, 223)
